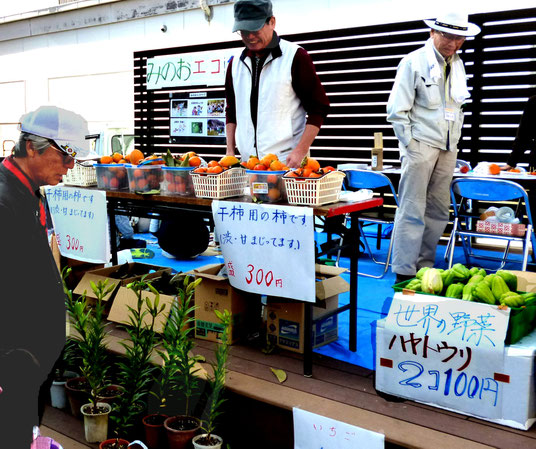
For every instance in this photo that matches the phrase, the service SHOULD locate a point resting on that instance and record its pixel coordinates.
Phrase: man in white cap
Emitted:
(275, 101)
(425, 109)
(32, 301)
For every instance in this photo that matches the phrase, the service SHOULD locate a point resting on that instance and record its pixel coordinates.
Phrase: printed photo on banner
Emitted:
(179, 108)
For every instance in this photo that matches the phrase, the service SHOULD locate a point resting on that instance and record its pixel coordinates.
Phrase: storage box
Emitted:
(81, 175)
(177, 181)
(490, 227)
(215, 293)
(144, 178)
(125, 298)
(267, 186)
(111, 176)
(285, 318)
(120, 275)
(314, 191)
(518, 399)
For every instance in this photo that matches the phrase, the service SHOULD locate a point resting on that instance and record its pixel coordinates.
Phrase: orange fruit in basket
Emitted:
(216, 169)
(194, 161)
(272, 179)
(135, 157)
(212, 163)
(494, 169)
(276, 165)
(229, 161)
(252, 161)
(117, 157)
(310, 163)
(114, 183)
(260, 166)
(315, 175)
(106, 159)
(138, 173)
(328, 169)
(189, 153)
(306, 172)
(268, 159)
(200, 170)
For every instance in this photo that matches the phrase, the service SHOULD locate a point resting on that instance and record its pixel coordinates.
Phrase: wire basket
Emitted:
(81, 175)
(223, 185)
(314, 191)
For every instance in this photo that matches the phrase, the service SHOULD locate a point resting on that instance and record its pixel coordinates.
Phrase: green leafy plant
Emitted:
(90, 326)
(136, 371)
(216, 380)
(174, 339)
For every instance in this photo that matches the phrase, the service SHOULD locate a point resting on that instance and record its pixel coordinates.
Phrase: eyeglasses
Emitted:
(452, 37)
(67, 158)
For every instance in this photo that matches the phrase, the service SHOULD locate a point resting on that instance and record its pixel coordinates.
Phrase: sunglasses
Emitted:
(66, 158)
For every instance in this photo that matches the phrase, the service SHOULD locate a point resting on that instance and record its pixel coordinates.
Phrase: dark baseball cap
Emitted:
(251, 15)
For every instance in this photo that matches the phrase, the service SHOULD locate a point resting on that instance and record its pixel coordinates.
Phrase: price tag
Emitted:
(450, 114)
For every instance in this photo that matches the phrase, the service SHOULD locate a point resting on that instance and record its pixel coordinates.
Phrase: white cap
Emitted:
(66, 128)
(454, 23)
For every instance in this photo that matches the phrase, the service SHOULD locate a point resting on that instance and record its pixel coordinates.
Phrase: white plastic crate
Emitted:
(314, 191)
(223, 185)
(81, 175)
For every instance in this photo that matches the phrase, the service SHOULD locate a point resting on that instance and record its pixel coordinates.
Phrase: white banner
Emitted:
(312, 431)
(80, 223)
(268, 249)
(444, 351)
(189, 69)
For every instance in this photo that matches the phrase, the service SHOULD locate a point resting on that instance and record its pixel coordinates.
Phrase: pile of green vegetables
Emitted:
(473, 284)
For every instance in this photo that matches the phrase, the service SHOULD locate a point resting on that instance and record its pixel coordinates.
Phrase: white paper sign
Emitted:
(268, 249)
(80, 223)
(189, 69)
(444, 351)
(312, 431)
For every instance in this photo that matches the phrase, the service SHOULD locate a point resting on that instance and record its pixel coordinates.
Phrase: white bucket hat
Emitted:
(66, 128)
(454, 23)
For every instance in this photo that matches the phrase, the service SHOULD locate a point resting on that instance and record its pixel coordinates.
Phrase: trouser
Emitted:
(424, 201)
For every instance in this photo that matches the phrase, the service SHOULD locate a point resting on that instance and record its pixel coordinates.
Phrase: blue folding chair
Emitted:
(385, 215)
(465, 193)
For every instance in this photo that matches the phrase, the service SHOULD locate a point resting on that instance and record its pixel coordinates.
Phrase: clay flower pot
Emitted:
(114, 443)
(180, 430)
(155, 433)
(77, 394)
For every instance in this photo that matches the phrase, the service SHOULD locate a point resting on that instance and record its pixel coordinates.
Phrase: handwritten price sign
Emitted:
(268, 249)
(80, 223)
(444, 351)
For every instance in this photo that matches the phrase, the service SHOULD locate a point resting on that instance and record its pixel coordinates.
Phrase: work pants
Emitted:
(424, 201)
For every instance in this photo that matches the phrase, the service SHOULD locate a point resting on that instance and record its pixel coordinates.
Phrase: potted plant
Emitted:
(216, 382)
(64, 370)
(90, 326)
(136, 371)
(181, 429)
(114, 443)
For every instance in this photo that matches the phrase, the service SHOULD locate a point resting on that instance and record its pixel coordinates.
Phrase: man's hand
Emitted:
(506, 167)
(295, 158)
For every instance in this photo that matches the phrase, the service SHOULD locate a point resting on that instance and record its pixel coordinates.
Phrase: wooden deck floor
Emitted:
(338, 390)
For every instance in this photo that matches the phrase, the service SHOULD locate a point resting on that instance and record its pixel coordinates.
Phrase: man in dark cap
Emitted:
(32, 301)
(275, 101)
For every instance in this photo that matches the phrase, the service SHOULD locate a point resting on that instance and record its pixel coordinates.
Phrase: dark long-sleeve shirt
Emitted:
(305, 83)
(526, 137)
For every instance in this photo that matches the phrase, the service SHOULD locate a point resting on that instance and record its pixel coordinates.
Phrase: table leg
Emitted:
(113, 233)
(354, 256)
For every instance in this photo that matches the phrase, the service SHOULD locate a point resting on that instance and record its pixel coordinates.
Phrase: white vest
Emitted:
(280, 116)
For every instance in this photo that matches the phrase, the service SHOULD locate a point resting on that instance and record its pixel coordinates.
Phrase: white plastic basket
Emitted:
(81, 175)
(223, 185)
(314, 191)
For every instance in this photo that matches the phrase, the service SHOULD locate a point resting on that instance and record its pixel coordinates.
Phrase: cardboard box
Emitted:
(285, 319)
(518, 399)
(125, 298)
(215, 293)
(119, 275)
(490, 227)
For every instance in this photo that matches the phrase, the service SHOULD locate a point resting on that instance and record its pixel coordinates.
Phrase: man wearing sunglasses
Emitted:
(425, 109)
(32, 301)
(275, 101)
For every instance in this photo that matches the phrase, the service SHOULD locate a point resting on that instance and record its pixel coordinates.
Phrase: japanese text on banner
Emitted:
(312, 431)
(445, 351)
(188, 69)
(80, 223)
(268, 249)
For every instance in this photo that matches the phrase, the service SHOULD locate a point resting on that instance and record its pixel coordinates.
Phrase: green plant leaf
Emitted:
(280, 374)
